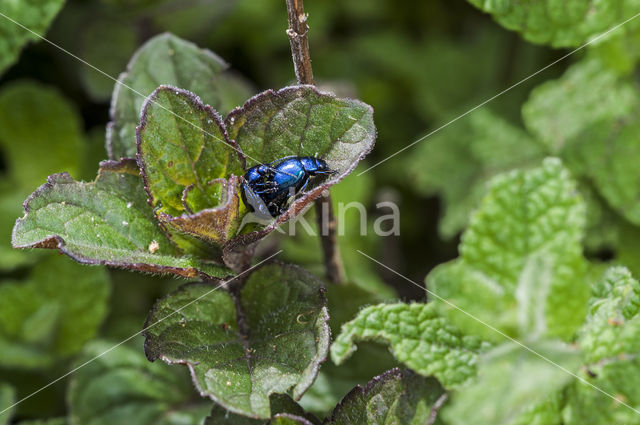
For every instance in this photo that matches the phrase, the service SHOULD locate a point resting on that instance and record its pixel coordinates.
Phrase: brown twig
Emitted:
(327, 225)
(436, 408)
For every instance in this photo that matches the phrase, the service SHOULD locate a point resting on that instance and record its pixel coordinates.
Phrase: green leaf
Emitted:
(52, 421)
(417, 336)
(589, 92)
(302, 121)
(560, 24)
(52, 313)
(167, 60)
(33, 151)
(510, 380)
(458, 163)
(270, 339)
(104, 222)
(613, 323)
(521, 268)
(185, 163)
(398, 397)
(7, 398)
(122, 387)
(33, 14)
(284, 411)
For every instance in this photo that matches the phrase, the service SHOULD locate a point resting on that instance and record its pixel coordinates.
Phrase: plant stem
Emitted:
(327, 224)
(436, 408)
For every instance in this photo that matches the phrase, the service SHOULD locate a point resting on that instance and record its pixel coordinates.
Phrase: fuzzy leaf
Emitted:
(284, 411)
(7, 398)
(521, 268)
(510, 379)
(457, 164)
(122, 387)
(302, 121)
(417, 336)
(104, 222)
(398, 397)
(167, 60)
(588, 92)
(33, 14)
(560, 24)
(185, 162)
(52, 313)
(273, 344)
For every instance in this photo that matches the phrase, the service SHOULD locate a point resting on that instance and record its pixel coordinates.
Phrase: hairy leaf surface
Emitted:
(270, 339)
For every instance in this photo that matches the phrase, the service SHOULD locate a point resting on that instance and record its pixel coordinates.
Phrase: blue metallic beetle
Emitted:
(268, 188)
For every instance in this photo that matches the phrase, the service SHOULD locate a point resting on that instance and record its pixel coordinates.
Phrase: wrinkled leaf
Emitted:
(510, 380)
(521, 268)
(559, 23)
(457, 164)
(271, 340)
(398, 397)
(417, 337)
(52, 313)
(122, 387)
(33, 14)
(104, 222)
(169, 60)
(284, 411)
(302, 121)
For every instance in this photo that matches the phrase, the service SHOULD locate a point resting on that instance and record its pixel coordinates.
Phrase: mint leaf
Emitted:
(33, 14)
(104, 222)
(521, 268)
(269, 338)
(122, 387)
(302, 121)
(284, 411)
(167, 60)
(417, 336)
(589, 92)
(560, 24)
(396, 397)
(7, 398)
(52, 313)
(510, 380)
(461, 161)
(185, 162)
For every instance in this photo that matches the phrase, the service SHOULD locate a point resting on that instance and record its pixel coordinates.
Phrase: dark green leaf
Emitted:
(284, 411)
(398, 397)
(417, 336)
(104, 222)
(270, 340)
(36, 15)
(167, 59)
(122, 387)
(521, 268)
(52, 313)
(7, 398)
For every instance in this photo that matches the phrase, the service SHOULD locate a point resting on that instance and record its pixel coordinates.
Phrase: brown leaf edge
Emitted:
(235, 245)
(57, 242)
(234, 292)
(360, 391)
(120, 85)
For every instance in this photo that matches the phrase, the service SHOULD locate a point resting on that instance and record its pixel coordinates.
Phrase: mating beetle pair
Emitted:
(269, 188)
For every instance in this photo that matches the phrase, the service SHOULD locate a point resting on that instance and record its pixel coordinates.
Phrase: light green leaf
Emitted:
(458, 163)
(271, 340)
(417, 336)
(52, 313)
(521, 268)
(561, 24)
(510, 380)
(185, 162)
(122, 387)
(588, 92)
(33, 14)
(7, 398)
(167, 60)
(104, 222)
(398, 397)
